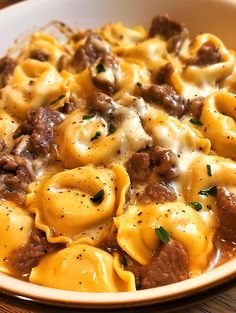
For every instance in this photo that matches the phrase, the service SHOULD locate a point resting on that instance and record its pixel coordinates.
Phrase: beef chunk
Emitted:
(162, 76)
(89, 52)
(195, 107)
(167, 97)
(208, 54)
(100, 102)
(40, 125)
(164, 161)
(16, 173)
(159, 192)
(170, 266)
(7, 66)
(24, 259)
(70, 106)
(104, 72)
(39, 55)
(172, 31)
(226, 211)
(138, 166)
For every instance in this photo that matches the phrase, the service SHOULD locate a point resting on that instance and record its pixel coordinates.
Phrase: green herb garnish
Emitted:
(87, 117)
(196, 205)
(209, 170)
(96, 136)
(212, 191)
(15, 136)
(163, 235)
(98, 197)
(112, 128)
(196, 122)
(57, 99)
(100, 68)
(123, 260)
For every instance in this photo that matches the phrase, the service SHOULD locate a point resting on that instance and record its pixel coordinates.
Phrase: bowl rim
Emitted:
(22, 290)
(225, 273)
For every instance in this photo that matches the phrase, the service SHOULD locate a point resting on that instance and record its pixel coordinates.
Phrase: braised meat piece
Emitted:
(24, 259)
(226, 211)
(138, 166)
(160, 193)
(100, 102)
(162, 76)
(40, 125)
(208, 54)
(167, 98)
(170, 266)
(89, 52)
(172, 31)
(7, 66)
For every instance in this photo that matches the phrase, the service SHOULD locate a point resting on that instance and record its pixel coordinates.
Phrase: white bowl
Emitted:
(213, 16)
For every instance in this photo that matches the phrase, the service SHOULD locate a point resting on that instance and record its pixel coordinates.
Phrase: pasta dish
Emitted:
(117, 157)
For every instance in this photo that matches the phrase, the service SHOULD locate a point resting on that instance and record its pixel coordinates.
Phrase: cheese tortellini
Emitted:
(101, 272)
(33, 84)
(73, 201)
(15, 228)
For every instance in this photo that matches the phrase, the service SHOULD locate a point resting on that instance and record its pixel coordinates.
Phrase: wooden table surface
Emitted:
(223, 303)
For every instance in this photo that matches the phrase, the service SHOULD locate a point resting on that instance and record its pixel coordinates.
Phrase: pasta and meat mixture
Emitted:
(117, 157)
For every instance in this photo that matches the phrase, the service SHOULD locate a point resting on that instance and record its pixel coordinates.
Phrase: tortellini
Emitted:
(168, 132)
(73, 201)
(137, 237)
(83, 141)
(33, 84)
(45, 44)
(15, 228)
(209, 74)
(197, 179)
(82, 268)
(219, 123)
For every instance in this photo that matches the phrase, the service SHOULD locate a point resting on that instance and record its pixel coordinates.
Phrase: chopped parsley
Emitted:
(163, 235)
(87, 117)
(123, 260)
(209, 172)
(195, 122)
(212, 191)
(196, 205)
(57, 99)
(98, 197)
(100, 68)
(96, 136)
(112, 128)
(15, 136)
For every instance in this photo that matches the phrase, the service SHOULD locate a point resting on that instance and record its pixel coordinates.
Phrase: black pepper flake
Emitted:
(21, 228)
(100, 68)
(98, 197)
(139, 84)
(96, 136)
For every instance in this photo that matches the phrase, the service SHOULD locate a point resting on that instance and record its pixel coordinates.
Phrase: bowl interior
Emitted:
(199, 16)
